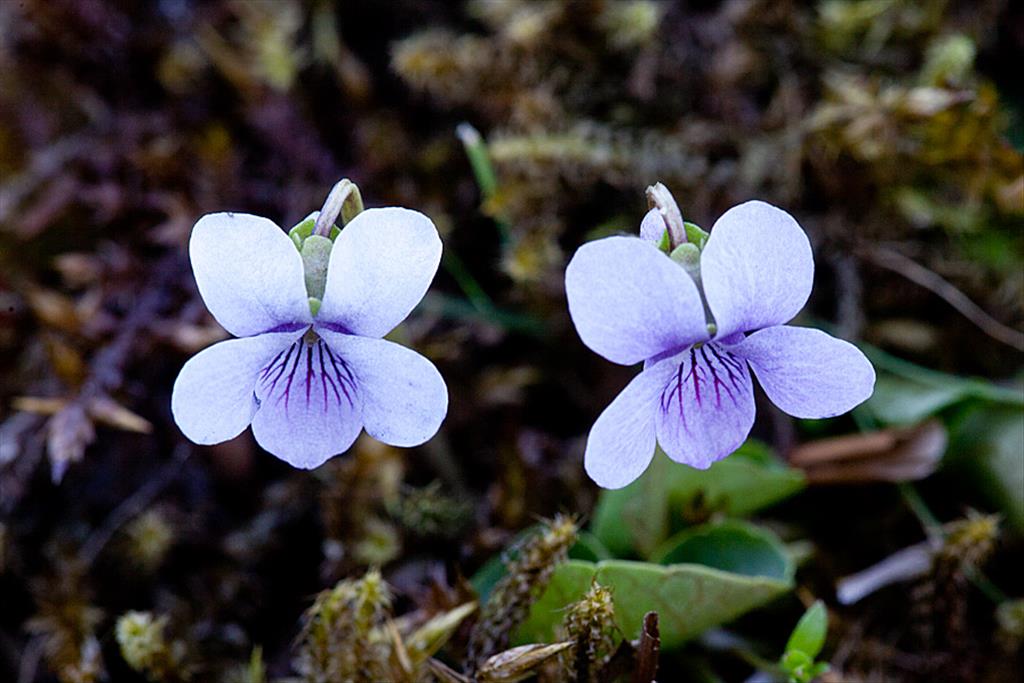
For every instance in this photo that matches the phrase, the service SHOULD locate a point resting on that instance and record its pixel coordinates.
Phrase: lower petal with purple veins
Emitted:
(404, 398)
(309, 407)
(706, 410)
(213, 399)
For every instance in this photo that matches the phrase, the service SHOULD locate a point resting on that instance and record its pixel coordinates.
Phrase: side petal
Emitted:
(806, 372)
(404, 397)
(757, 268)
(309, 407)
(652, 227)
(621, 442)
(212, 400)
(249, 273)
(630, 302)
(381, 266)
(706, 409)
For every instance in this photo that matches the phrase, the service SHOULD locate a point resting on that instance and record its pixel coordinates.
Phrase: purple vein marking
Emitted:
(337, 373)
(675, 391)
(326, 377)
(719, 384)
(270, 365)
(732, 367)
(719, 369)
(280, 369)
(327, 368)
(286, 394)
(695, 376)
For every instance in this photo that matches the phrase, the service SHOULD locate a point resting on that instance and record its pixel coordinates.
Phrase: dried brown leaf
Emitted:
(897, 454)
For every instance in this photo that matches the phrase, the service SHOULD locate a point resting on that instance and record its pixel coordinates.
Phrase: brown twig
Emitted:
(918, 274)
(445, 673)
(647, 650)
(70, 430)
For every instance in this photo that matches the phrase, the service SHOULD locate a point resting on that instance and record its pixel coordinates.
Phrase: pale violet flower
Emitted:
(309, 383)
(699, 333)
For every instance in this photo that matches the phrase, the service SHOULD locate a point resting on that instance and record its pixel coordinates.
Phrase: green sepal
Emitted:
(314, 305)
(316, 254)
(300, 232)
(665, 243)
(687, 254)
(695, 235)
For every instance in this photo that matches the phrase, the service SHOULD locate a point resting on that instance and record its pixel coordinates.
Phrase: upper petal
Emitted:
(621, 442)
(381, 266)
(309, 404)
(630, 302)
(404, 397)
(652, 227)
(757, 268)
(212, 399)
(706, 409)
(249, 273)
(806, 372)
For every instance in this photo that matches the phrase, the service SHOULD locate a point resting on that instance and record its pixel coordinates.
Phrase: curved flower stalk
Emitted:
(700, 319)
(309, 369)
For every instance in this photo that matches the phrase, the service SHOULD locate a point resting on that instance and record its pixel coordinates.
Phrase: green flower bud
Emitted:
(316, 254)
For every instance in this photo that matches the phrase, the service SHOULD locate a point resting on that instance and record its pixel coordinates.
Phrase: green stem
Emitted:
(913, 499)
(466, 282)
(933, 527)
(483, 170)
(985, 585)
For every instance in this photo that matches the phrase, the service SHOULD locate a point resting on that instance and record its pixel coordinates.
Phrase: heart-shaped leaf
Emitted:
(689, 598)
(637, 519)
(731, 546)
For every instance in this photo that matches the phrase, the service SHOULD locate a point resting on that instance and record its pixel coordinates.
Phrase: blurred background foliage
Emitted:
(891, 129)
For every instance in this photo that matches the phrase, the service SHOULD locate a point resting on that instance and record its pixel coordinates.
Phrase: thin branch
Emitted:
(918, 274)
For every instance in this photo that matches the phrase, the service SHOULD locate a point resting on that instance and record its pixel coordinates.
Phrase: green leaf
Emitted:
(809, 635)
(638, 518)
(589, 547)
(733, 546)
(906, 393)
(986, 424)
(635, 518)
(987, 446)
(900, 401)
(689, 598)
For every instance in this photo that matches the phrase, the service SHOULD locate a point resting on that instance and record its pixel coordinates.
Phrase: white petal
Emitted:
(621, 442)
(630, 302)
(806, 372)
(309, 405)
(212, 400)
(757, 268)
(249, 274)
(404, 397)
(381, 266)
